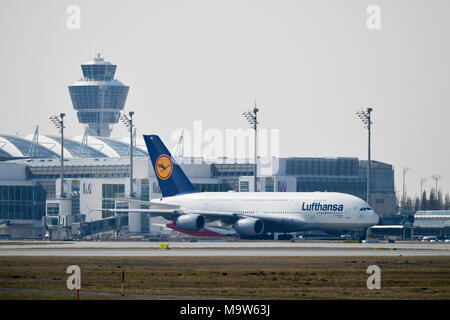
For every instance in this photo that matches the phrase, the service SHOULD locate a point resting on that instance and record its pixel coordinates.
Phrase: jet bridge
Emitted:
(85, 229)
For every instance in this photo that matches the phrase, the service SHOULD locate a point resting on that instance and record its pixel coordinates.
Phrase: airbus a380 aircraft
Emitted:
(249, 213)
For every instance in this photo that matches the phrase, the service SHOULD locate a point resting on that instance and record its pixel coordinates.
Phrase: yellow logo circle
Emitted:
(164, 167)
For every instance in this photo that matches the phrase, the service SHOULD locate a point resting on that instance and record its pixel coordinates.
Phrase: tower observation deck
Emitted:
(98, 98)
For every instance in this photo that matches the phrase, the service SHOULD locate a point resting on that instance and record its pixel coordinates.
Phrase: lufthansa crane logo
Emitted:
(164, 167)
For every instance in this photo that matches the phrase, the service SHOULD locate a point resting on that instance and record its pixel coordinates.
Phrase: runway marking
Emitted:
(231, 248)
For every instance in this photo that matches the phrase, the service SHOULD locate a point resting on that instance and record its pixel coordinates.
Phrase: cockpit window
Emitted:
(364, 209)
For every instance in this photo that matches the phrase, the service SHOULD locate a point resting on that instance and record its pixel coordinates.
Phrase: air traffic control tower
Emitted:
(98, 98)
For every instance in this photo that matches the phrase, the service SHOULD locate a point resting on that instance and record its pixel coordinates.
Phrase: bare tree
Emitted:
(432, 201)
(447, 202)
(440, 201)
(409, 204)
(417, 203)
(424, 201)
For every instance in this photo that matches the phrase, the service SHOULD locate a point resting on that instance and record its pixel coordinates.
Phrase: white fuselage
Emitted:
(285, 211)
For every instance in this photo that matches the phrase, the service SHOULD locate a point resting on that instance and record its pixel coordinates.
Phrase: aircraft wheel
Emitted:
(284, 236)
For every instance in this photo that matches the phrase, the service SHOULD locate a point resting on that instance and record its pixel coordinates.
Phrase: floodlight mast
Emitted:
(365, 118)
(252, 118)
(59, 124)
(128, 122)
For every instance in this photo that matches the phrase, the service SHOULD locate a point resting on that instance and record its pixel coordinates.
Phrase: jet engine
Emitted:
(249, 226)
(190, 222)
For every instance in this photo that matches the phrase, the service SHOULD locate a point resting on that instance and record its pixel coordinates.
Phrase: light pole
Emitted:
(128, 122)
(365, 118)
(252, 118)
(58, 121)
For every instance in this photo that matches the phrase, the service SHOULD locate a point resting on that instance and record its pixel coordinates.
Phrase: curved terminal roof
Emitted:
(15, 146)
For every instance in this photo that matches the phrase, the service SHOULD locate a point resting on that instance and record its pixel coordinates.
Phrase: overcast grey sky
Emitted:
(310, 64)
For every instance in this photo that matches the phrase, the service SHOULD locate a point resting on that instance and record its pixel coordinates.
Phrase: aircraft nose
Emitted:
(375, 219)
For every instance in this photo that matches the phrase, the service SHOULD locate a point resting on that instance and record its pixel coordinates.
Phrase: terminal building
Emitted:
(97, 168)
(418, 225)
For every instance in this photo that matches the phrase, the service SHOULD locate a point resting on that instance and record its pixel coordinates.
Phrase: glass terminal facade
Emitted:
(347, 175)
(111, 191)
(18, 202)
(232, 170)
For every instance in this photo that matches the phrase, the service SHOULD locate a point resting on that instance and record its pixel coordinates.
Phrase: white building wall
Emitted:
(91, 194)
(142, 168)
(13, 172)
(134, 222)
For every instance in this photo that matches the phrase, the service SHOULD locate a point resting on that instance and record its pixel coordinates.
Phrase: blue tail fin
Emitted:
(172, 180)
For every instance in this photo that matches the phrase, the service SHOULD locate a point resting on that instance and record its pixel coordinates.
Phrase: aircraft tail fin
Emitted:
(171, 178)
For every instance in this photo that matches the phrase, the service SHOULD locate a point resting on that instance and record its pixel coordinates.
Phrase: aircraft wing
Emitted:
(154, 204)
(168, 214)
(228, 218)
(163, 205)
(171, 214)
